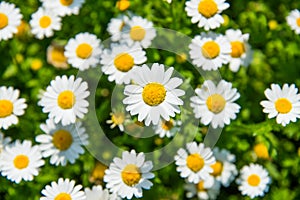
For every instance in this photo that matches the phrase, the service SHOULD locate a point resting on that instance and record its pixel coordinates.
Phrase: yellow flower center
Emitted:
(66, 2)
(210, 49)
(207, 8)
(167, 125)
(253, 180)
(36, 64)
(118, 118)
(21, 161)
(45, 21)
(63, 196)
(123, 4)
(261, 151)
(283, 105)
(6, 108)
(66, 99)
(200, 186)
(137, 33)
(298, 21)
(3, 20)
(84, 50)
(62, 139)
(215, 103)
(218, 168)
(195, 162)
(57, 55)
(154, 94)
(131, 175)
(237, 49)
(124, 62)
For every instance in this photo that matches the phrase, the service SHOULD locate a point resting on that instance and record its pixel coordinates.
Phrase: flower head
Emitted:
(293, 20)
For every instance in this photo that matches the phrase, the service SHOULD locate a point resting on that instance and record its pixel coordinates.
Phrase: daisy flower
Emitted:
(254, 180)
(65, 99)
(168, 128)
(11, 106)
(117, 119)
(97, 193)
(224, 170)
(63, 7)
(129, 175)
(3, 141)
(284, 104)
(63, 189)
(21, 161)
(205, 189)
(62, 143)
(206, 12)
(83, 51)
(56, 56)
(215, 104)
(115, 27)
(241, 53)
(119, 62)
(44, 23)
(293, 20)
(210, 51)
(154, 94)
(195, 163)
(138, 30)
(10, 19)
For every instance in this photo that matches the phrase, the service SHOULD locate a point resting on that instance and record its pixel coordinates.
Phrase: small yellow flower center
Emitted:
(200, 186)
(207, 8)
(62, 139)
(124, 62)
(261, 151)
(45, 21)
(298, 21)
(57, 55)
(36, 64)
(63, 196)
(167, 125)
(84, 50)
(195, 162)
(131, 175)
(253, 180)
(218, 168)
(210, 49)
(123, 4)
(66, 99)
(283, 105)
(66, 2)
(154, 94)
(137, 33)
(21, 161)
(6, 108)
(3, 20)
(237, 49)
(118, 118)
(215, 103)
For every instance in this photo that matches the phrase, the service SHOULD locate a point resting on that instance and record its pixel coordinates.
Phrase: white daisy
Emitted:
(3, 141)
(64, 99)
(11, 106)
(206, 12)
(63, 189)
(224, 170)
(121, 60)
(83, 51)
(254, 180)
(154, 94)
(63, 7)
(284, 104)
(129, 175)
(21, 161)
(205, 189)
(210, 51)
(117, 119)
(115, 27)
(195, 163)
(44, 23)
(293, 20)
(167, 128)
(62, 143)
(215, 104)
(97, 193)
(10, 19)
(138, 30)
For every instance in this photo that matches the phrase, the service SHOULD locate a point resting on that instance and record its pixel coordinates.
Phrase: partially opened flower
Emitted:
(56, 56)
(10, 19)
(115, 27)
(118, 118)
(167, 128)
(284, 104)
(98, 193)
(21, 161)
(293, 20)
(63, 7)
(129, 175)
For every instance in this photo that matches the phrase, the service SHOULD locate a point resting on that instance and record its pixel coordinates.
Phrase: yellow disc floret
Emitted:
(210, 49)
(207, 8)
(154, 94)
(21, 161)
(283, 105)
(237, 49)
(6, 108)
(62, 139)
(131, 175)
(124, 62)
(195, 162)
(3, 20)
(215, 103)
(137, 33)
(66, 99)
(84, 51)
